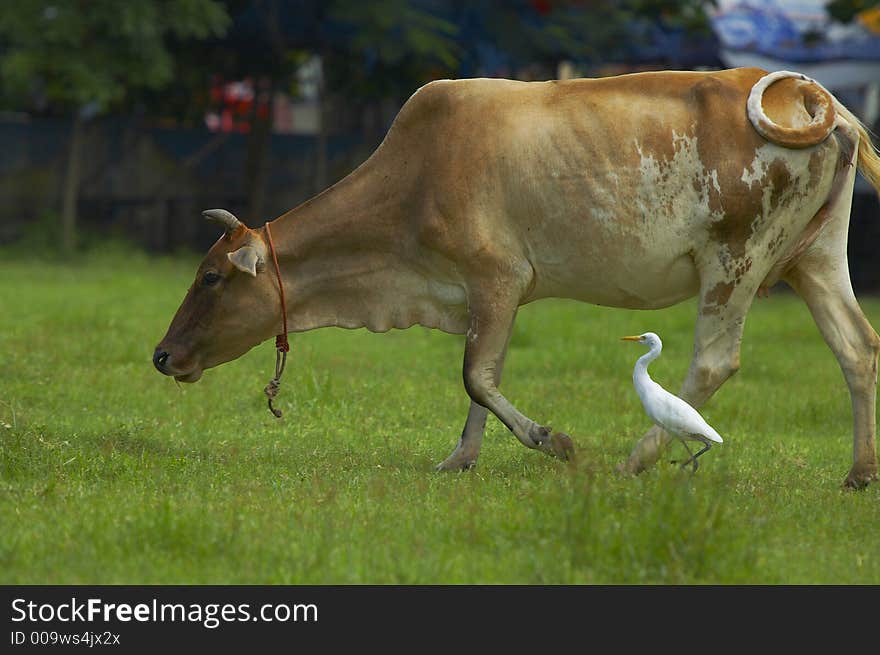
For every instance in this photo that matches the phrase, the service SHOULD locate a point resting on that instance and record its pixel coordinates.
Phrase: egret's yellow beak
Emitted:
(630, 338)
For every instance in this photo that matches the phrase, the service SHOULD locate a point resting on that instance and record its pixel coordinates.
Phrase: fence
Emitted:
(150, 184)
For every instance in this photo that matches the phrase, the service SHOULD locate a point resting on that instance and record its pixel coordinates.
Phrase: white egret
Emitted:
(667, 410)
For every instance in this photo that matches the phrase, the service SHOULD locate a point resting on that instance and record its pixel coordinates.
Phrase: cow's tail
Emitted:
(828, 114)
(869, 157)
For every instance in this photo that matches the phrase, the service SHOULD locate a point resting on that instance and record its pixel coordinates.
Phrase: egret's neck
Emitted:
(640, 373)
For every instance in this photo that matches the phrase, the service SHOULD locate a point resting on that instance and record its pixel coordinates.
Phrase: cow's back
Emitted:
(608, 185)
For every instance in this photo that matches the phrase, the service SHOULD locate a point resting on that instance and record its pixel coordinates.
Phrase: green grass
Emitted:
(109, 473)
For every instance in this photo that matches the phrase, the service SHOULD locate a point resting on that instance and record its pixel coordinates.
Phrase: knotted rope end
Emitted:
(271, 389)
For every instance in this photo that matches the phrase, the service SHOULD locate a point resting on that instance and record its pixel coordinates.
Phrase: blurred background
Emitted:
(124, 120)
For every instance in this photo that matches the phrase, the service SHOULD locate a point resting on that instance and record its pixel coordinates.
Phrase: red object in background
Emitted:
(542, 6)
(235, 105)
(226, 123)
(216, 90)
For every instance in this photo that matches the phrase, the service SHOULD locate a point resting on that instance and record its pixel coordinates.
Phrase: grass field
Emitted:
(110, 473)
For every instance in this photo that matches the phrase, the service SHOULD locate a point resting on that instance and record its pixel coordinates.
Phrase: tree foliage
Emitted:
(395, 30)
(67, 53)
(847, 10)
(73, 53)
(586, 30)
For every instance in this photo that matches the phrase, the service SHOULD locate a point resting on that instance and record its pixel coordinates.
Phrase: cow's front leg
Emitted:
(491, 322)
(468, 449)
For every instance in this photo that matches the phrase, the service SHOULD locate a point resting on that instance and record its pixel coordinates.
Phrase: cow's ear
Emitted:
(246, 259)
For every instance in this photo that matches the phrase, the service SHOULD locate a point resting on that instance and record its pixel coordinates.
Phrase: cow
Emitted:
(637, 191)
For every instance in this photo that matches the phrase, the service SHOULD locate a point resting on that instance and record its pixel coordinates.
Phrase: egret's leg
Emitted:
(687, 448)
(492, 313)
(822, 280)
(693, 458)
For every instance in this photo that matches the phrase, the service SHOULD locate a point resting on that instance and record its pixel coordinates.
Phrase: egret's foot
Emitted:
(693, 458)
(859, 478)
(461, 459)
(695, 464)
(682, 464)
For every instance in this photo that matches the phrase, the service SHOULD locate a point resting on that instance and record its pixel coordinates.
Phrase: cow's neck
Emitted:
(347, 261)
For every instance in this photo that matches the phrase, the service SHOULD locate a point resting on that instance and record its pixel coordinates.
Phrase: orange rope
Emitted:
(281, 339)
(281, 345)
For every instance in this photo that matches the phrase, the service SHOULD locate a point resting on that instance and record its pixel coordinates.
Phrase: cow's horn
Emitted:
(222, 217)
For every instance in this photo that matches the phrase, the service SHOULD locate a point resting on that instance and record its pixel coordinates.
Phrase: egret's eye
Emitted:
(210, 278)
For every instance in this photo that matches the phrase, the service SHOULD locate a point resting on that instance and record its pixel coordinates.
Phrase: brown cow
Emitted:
(636, 191)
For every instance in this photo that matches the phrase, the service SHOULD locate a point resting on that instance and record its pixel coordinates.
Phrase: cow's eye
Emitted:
(210, 278)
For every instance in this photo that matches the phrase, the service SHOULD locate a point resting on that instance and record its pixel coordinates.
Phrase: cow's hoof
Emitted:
(859, 478)
(562, 446)
(629, 468)
(623, 470)
(555, 444)
(456, 462)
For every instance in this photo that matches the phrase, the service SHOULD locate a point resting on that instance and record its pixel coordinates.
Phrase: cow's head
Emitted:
(231, 307)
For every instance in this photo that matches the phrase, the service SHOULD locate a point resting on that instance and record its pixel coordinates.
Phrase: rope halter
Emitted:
(282, 347)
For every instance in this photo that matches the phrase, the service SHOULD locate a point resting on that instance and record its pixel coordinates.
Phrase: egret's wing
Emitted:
(679, 417)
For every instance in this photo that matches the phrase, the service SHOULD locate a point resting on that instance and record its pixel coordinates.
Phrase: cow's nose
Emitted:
(160, 357)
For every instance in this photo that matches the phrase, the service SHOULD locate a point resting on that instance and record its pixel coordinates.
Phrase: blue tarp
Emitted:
(767, 29)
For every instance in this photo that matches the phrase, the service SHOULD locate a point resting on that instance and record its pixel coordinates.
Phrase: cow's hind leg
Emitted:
(468, 449)
(492, 312)
(822, 280)
(722, 310)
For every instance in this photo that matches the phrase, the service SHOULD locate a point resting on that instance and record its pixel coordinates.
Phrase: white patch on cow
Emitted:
(602, 214)
(796, 163)
(607, 195)
(756, 171)
(678, 188)
(713, 177)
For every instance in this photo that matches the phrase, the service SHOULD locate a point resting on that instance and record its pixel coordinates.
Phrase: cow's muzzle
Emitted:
(160, 359)
(164, 363)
